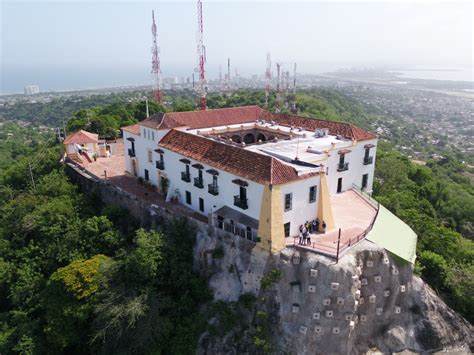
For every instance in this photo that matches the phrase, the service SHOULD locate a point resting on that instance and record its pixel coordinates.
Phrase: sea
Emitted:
(13, 80)
(436, 73)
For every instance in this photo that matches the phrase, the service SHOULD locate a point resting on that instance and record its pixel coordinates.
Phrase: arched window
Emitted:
(249, 138)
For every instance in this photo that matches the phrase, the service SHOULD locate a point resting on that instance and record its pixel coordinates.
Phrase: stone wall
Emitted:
(149, 216)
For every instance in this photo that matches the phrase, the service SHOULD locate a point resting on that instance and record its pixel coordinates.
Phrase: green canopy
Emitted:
(394, 235)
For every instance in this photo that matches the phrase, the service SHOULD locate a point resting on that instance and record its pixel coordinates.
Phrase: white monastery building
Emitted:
(257, 173)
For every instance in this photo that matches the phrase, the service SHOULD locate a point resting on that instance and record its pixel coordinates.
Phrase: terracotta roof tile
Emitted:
(335, 128)
(249, 165)
(134, 129)
(246, 114)
(203, 119)
(81, 137)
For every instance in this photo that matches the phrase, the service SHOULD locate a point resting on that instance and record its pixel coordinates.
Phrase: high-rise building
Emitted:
(32, 90)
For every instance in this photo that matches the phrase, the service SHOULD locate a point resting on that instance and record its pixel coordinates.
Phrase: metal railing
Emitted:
(368, 160)
(343, 167)
(160, 165)
(213, 189)
(198, 182)
(241, 202)
(340, 249)
(131, 152)
(185, 176)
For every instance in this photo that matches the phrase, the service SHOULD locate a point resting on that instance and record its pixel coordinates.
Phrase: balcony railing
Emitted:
(368, 160)
(131, 152)
(343, 167)
(160, 165)
(198, 182)
(185, 176)
(241, 202)
(213, 189)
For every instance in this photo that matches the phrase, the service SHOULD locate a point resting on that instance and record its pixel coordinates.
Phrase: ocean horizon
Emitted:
(13, 81)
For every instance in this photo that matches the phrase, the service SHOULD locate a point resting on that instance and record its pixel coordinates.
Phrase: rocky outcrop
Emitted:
(369, 300)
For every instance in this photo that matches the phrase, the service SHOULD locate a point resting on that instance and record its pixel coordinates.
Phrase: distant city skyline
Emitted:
(66, 45)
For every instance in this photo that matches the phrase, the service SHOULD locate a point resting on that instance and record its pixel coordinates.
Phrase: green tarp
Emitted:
(394, 235)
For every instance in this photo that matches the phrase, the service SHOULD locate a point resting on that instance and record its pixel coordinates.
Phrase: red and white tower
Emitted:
(268, 79)
(201, 50)
(155, 63)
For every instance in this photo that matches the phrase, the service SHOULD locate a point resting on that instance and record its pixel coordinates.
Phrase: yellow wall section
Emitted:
(324, 204)
(270, 227)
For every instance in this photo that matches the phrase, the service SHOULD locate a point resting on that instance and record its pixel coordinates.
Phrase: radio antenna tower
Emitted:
(155, 63)
(201, 59)
(279, 94)
(268, 79)
(228, 75)
(293, 106)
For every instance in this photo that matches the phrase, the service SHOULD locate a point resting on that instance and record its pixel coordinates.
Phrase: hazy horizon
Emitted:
(90, 44)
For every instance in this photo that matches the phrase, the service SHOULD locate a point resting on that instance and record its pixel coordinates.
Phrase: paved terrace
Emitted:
(112, 169)
(354, 213)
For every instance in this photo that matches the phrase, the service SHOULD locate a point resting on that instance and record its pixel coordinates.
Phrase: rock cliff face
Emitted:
(370, 299)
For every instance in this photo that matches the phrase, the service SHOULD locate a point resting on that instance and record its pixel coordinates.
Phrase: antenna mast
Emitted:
(279, 89)
(228, 75)
(268, 79)
(293, 106)
(201, 59)
(155, 63)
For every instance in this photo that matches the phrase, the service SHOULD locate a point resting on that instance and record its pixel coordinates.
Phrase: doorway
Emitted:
(339, 185)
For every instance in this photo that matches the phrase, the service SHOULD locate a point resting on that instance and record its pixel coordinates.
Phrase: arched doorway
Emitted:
(249, 138)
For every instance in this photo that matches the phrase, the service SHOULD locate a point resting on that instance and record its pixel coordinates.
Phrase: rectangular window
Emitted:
(147, 175)
(150, 156)
(312, 194)
(144, 132)
(286, 227)
(201, 204)
(152, 135)
(249, 233)
(288, 201)
(188, 197)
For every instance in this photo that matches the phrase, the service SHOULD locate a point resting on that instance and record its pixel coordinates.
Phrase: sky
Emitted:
(91, 41)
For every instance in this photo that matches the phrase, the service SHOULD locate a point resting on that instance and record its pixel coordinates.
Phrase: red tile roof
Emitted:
(249, 165)
(346, 130)
(134, 129)
(246, 114)
(203, 119)
(81, 137)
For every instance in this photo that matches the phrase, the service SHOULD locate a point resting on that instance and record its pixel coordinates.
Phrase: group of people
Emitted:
(308, 228)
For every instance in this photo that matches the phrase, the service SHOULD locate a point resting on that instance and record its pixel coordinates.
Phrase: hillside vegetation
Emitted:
(77, 277)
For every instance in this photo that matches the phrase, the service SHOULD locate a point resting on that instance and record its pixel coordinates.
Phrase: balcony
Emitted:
(198, 183)
(131, 152)
(160, 165)
(368, 160)
(185, 176)
(213, 189)
(241, 202)
(343, 167)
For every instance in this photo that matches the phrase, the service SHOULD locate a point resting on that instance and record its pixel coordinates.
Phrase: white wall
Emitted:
(227, 189)
(143, 143)
(302, 210)
(356, 167)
